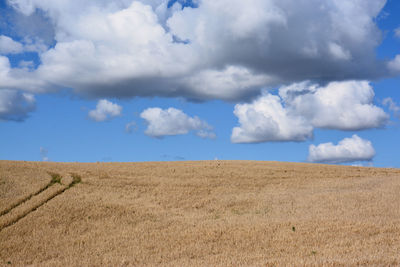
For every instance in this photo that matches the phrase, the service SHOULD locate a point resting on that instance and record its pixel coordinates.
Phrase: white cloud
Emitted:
(105, 110)
(34, 45)
(9, 46)
(19, 78)
(266, 119)
(171, 121)
(338, 105)
(15, 106)
(127, 48)
(301, 107)
(347, 150)
(231, 83)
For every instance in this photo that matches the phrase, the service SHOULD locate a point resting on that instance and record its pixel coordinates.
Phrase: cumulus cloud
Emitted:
(299, 108)
(9, 46)
(171, 121)
(338, 105)
(15, 105)
(347, 150)
(20, 78)
(105, 110)
(232, 82)
(130, 48)
(266, 119)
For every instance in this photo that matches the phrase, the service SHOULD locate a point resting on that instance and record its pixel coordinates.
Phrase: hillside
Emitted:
(205, 213)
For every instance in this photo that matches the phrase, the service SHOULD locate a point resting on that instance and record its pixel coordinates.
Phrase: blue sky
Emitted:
(198, 80)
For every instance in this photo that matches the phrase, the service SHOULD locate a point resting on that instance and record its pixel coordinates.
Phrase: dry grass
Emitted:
(215, 213)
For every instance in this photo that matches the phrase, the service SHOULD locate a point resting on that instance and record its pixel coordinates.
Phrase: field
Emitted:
(207, 213)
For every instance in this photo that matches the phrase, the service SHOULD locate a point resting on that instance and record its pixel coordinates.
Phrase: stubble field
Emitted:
(207, 213)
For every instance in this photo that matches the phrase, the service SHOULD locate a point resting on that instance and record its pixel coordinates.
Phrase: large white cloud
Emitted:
(289, 39)
(338, 105)
(105, 110)
(128, 48)
(15, 106)
(301, 107)
(172, 121)
(347, 150)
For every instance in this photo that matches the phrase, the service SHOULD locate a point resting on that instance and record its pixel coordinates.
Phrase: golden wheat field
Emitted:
(206, 213)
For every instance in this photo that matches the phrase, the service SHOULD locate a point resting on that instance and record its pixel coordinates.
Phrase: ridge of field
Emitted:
(206, 213)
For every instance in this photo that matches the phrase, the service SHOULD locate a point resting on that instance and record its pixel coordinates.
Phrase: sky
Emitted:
(156, 80)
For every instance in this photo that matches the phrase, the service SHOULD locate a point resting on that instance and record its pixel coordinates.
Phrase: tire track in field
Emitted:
(22, 201)
(36, 200)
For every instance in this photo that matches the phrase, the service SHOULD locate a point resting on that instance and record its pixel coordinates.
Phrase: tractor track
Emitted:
(22, 201)
(23, 208)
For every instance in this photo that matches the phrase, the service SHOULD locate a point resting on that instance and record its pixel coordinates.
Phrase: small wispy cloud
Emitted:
(130, 127)
(392, 106)
(397, 32)
(172, 157)
(43, 154)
